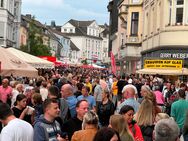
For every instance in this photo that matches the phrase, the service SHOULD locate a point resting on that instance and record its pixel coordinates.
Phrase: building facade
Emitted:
(165, 30)
(85, 35)
(10, 16)
(130, 34)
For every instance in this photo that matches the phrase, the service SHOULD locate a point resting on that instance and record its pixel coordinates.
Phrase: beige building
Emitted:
(165, 30)
(130, 25)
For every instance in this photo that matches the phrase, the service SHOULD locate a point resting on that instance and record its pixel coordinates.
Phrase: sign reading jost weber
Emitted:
(163, 64)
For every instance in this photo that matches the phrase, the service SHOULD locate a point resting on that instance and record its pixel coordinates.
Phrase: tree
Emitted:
(35, 44)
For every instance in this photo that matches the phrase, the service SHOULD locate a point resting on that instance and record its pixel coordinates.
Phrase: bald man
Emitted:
(67, 93)
(129, 94)
(5, 91)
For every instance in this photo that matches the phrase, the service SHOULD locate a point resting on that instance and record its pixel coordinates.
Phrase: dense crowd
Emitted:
(77, 104)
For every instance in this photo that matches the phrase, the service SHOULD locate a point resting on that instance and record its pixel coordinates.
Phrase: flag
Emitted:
(113, 63)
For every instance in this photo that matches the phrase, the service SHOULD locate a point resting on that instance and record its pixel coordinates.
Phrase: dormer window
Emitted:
(71, 30)
(65, 30)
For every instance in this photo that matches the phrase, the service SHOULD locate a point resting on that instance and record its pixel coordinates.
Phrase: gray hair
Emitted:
(166, 130)
(90, 118)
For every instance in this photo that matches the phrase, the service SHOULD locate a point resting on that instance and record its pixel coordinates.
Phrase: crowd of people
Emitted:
(77, 104)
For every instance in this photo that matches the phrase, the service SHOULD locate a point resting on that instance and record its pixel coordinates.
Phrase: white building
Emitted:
(10, 16)
(104, 34)
(85, 35)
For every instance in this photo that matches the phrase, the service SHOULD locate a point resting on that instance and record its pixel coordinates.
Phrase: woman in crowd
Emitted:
(37, 103)
(89, 128)
(147, 93)
(128, 113)
(105, 108)
(118, 123)
(145, 118)
(20, 109)
(106, 134)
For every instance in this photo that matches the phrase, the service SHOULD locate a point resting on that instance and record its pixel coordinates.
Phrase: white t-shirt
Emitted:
(17, 130)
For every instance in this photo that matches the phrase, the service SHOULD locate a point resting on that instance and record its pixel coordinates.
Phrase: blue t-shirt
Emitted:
(71, 100)
(90, 99)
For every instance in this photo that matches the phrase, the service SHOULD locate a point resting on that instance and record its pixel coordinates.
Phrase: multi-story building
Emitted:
(85, 35)
(130, 34)
(165, 30)
(48, 37)
(104, 34)
(10, 15)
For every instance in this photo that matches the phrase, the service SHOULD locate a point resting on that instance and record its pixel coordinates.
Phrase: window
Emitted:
(2, 1)
(180, 2)
(65, 30)
(135, 1)
(179, 11)
(179, 15)
(170, 11)
(134, 23)
(71, 30)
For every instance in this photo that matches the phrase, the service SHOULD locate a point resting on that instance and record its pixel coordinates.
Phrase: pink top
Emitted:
(159, 97)
(4, 93)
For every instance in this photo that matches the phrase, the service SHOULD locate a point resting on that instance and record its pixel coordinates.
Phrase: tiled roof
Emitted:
(59, 33)
(80, 23)
(81, 28)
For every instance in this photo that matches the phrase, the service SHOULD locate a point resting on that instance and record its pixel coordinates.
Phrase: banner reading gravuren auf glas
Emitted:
(163, 64)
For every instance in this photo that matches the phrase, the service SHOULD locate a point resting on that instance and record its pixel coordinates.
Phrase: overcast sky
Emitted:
(63, 10)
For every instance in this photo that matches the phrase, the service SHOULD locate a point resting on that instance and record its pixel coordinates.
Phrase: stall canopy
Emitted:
(36, 62)
(183, 71)
(12, 65)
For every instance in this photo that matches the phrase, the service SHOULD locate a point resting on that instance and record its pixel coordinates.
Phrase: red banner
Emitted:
(113, 63)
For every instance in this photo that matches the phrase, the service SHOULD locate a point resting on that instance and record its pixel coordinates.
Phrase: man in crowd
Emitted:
(87, 83)
(5, 91)
(46, 128)
(166, 130)
(75, 123)
(89, 98)
(15, 129)
(120, 84)
(179, 109)
(129, 94)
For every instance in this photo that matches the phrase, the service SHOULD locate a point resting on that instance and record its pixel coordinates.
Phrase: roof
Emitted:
(73, 46)
(59, 33)
(81, 28)
(80, 23)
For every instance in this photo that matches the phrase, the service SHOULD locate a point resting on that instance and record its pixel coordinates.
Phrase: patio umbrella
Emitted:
(12, 65)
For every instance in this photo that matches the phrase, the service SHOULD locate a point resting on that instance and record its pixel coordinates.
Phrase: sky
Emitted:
(61, 11)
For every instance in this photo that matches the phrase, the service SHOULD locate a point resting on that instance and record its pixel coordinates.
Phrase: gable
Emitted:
(94, 25)
(68, 25)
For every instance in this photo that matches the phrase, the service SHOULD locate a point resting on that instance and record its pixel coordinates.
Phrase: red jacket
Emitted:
(136, 132)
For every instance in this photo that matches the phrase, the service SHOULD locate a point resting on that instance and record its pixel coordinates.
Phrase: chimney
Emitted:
(53, 24)
(28, 15)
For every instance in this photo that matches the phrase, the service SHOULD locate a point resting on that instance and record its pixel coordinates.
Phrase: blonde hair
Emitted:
(145, 114)
(160, 116)
(118, 123)
(90, 118)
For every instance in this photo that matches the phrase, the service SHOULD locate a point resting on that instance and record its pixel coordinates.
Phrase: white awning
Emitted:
(34, 61)
(12, 65)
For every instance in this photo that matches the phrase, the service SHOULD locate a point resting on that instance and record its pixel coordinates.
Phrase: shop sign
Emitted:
(174, 55)
(163, 64)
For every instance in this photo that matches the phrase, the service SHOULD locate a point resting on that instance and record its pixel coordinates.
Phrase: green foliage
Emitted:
(35, 44)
